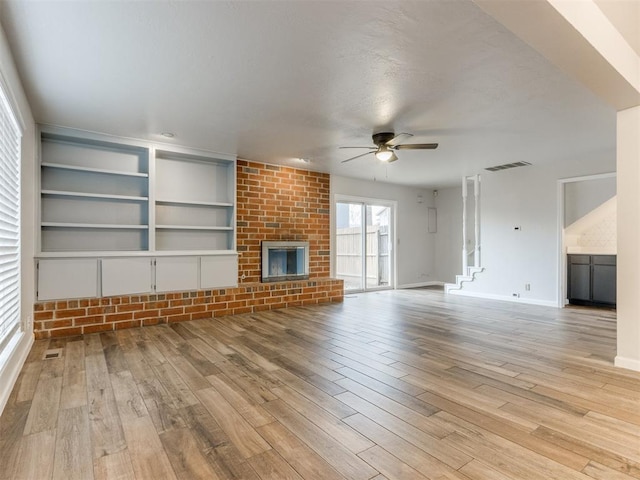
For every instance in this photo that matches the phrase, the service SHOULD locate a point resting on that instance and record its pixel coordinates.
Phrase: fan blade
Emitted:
(394, 140)
(370, 148)
(416, 146)
(357, 156)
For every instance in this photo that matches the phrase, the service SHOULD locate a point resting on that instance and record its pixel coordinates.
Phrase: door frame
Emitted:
(393, 205)
(562, 248)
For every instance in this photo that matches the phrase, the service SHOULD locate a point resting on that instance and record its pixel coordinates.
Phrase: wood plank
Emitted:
(36, 456)
(240, 432)
(105, 427)
(497, 425)
(601, 472)
(316, 395)
(395, 445)
(113, 353)
(97, 372)
(176, 387)
(162, 410)
(389, 465)
(423, 440)
(73, 459)
(271, 465)
(302, 458)
(74, 381)
(400, 410)
(188, 373)
(148, 456)
(251, 411)
(12, 423)
(116, 466)
(214, 443)
(128, 398)
(347, 463)
(185, 457)
(28, 381)
(43, 414)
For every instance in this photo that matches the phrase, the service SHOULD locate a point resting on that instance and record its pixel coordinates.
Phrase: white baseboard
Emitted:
(628, 363)
(504, 298)
(11, 361)
(418, 285)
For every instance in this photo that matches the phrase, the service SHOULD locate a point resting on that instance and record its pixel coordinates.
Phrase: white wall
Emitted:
(11, 360)
(584, 196)
(448, 248)
(525, 197)
(628, 282)
(415, 247)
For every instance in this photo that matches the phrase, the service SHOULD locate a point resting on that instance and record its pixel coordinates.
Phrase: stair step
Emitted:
(460, 279)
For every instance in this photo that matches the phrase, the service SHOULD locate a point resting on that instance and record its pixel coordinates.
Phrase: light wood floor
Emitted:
(407, 384)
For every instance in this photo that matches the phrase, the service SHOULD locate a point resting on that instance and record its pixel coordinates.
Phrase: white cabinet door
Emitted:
(176, 273)
(67, 278)
(218, 271)
(126, 276)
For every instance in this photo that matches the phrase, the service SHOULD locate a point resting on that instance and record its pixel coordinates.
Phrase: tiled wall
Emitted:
(273, 203)
(602, 235)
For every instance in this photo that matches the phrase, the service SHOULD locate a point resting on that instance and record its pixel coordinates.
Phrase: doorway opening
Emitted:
(364, 235)
(587, 240)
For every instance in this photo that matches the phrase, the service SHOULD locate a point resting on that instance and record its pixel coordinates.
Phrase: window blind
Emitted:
(10, 136)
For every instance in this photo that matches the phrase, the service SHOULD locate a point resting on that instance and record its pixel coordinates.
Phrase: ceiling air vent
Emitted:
(507, 166)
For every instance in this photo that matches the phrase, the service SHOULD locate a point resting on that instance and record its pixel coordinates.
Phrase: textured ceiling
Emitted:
(275, 80)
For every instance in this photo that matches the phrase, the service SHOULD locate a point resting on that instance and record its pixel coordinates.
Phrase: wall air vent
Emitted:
(507, 166)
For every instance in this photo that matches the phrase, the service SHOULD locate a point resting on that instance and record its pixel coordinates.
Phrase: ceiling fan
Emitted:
(385, 146)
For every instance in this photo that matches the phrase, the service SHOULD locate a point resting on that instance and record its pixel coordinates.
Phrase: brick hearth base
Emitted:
(89, 315)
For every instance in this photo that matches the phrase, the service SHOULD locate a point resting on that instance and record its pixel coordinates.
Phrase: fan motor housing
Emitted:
(382, 137)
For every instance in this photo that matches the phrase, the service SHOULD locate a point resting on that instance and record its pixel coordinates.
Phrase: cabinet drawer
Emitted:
(579, 259)
(604, 259)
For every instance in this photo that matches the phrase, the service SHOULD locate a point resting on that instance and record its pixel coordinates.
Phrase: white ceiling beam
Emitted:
(578, 38)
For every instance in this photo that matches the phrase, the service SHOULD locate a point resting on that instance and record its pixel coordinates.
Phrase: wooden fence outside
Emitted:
(349, 256)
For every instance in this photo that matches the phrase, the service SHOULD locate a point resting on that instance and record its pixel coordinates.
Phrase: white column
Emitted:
(464, 226)
(628, 264)
(476, 196)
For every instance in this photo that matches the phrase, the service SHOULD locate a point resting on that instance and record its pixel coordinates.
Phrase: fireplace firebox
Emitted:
(285, 260)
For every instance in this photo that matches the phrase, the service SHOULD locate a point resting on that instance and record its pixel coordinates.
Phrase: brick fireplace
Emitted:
(274, 203)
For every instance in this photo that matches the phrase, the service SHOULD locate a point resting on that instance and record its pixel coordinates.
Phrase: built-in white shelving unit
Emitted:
(94, 195)
(102, 197)
(194, 202)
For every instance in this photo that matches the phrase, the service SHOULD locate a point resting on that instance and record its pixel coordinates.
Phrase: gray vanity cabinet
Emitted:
(592, 280)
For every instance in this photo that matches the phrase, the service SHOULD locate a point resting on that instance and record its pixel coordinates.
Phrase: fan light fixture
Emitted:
(386, 144)
(385, 154)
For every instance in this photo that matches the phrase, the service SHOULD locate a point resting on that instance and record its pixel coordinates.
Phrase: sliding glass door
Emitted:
(363, 245)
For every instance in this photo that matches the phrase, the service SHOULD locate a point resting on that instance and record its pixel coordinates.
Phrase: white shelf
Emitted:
(93, 195)
(127, 254)
(192, 227)
(189, 202)
(151, 202)
(95, 225)
(93, 170)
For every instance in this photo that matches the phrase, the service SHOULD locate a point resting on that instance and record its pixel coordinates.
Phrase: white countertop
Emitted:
(591, 250)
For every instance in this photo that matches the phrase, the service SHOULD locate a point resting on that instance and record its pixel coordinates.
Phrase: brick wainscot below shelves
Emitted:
(75, 317)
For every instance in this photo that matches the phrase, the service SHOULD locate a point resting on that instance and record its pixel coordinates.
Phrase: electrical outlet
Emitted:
(517, 295)
(527, 287)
